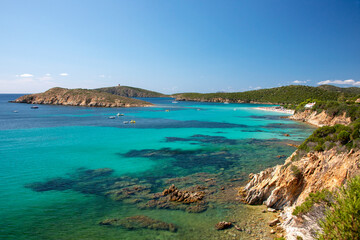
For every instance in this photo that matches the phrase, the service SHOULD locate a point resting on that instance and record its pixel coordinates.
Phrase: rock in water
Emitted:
(223, 225)
(140, 221)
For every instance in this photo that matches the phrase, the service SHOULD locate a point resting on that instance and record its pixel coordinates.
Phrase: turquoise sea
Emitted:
(50, 188)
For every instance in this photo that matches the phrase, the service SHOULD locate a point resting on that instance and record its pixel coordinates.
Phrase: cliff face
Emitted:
(321, 119)
(291, 183)
(80, 97)
(286, 186)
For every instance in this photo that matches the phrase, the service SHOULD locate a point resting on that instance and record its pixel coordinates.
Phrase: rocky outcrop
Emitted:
(286, 186)
(321, 119)
(80, 97)
(173, 198)
(183, 196)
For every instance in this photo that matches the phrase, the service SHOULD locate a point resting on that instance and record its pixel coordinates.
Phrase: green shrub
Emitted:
(342, 220)
(296, 171)
(323, 196)
(343, 137)
(319, 148)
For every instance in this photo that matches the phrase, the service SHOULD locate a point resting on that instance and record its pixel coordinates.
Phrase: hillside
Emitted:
(80, 97)
(349, 90)
(293, 94)
(126, 91)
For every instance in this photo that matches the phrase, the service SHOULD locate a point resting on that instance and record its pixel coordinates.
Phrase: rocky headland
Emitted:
(80, 97)
(286, 186)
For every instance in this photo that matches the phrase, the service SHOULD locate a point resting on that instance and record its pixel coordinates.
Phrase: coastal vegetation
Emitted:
(130, 92)
(340, 136)
(342, 220)
(320, 197)
(287, 95)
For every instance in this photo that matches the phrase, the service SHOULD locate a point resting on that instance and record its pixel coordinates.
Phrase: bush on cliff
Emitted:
(342, 220)
(323, 197)
(324, 138)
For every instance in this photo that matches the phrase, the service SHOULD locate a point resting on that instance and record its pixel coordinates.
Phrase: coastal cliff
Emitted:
(324, 162)
(80, 97)
(286, 186)
(320, 119)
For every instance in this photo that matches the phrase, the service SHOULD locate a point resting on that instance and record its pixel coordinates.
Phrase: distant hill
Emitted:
(349, 90)
(126, 91)
(293, 94)
(80, 97)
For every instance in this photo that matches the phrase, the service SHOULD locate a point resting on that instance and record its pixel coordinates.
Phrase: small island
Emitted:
(80, 97)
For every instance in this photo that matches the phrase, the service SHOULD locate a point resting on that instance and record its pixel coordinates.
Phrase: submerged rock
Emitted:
(140, 221)
(183, 196)
(223, 225)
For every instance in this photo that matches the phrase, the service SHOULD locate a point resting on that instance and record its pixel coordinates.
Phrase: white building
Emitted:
(310, 105)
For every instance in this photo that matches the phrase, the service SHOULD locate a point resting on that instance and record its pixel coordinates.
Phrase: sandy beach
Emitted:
(276, 109)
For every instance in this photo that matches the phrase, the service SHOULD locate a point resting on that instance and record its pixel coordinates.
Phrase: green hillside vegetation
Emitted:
(293, 94)
(343, 138)
(349, 90)
(126, 91)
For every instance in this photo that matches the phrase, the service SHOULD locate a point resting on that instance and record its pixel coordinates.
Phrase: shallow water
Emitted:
(185, 143)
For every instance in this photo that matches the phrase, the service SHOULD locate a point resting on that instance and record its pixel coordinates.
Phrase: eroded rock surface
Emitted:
(288, 185)
(321, 119)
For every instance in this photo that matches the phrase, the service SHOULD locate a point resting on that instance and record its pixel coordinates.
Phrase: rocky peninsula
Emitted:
(80, 97)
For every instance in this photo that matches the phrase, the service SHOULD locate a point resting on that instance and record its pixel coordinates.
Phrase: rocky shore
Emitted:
(286, 186)
(320, 119)
(80, 97)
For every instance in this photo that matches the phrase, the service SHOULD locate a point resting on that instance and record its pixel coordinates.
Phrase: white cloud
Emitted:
(64, 74)
(340, 82)
(25, 75)
(255, 88)
(300, 82)
(102, 76)
(48, 74)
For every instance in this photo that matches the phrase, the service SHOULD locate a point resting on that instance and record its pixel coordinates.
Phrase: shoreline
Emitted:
(275, 109)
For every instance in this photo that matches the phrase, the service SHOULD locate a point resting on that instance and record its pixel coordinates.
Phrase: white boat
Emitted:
(120, 114)
(226, 102)
(125, 122)
(112, 117)
(174, 102)
(15, 111)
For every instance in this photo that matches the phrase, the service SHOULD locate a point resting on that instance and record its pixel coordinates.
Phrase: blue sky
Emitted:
(178, 46)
